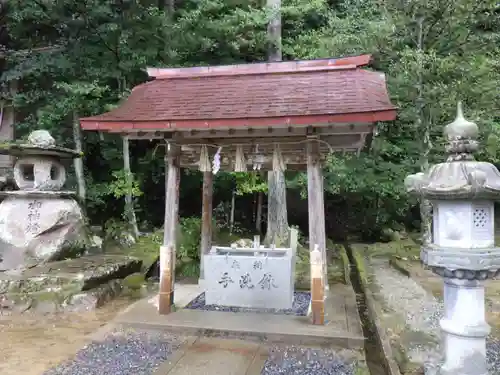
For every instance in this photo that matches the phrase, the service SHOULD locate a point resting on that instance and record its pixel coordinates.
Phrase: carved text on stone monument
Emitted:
(33, 225)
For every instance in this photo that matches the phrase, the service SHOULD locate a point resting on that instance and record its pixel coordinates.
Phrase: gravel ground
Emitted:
(130, 352)
(299, 308)
(403, 294)
(303, 361)
(423, 312)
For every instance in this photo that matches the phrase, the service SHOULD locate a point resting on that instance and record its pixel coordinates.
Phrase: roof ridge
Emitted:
(243, 74)
(278, 67)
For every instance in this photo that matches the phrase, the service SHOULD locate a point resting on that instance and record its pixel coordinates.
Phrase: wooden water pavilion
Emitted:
(269, 116)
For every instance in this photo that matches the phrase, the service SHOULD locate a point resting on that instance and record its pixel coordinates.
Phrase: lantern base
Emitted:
(464, 328)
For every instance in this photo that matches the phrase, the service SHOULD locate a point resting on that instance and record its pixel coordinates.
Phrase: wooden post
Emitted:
(317, 287)
(167, 251)
(293, 243)
(206, 219)
(316, 204)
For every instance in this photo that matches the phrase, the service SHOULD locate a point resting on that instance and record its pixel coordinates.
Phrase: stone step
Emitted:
(72, 284)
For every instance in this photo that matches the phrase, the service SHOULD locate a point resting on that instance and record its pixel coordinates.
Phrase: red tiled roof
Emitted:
(310, 93)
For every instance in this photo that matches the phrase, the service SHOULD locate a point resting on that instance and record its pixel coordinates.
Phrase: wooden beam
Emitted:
(206, 219)
(315, 200)
(294, 131)
(253, 139)
(168, 250)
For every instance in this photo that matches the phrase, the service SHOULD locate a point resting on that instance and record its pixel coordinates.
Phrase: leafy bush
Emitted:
(188, 247)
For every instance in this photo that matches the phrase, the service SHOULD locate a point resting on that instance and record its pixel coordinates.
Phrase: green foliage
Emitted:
(98, 51)
(190, 239)
(119, 187)
(248, 183)
(114, 229)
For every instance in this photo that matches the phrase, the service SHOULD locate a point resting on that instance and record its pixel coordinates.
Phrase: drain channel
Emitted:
(373, 352)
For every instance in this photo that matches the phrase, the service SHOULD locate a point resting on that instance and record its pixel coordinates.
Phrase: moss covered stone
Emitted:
(69, 284)
(134, 281)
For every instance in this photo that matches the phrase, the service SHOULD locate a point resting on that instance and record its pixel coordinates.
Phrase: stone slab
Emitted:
(339, 331)
(229, 357)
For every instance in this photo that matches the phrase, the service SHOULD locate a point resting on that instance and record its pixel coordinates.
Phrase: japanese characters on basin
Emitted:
(249, 281)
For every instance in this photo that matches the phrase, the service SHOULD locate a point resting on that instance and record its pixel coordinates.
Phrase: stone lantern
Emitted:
(40, 222)
(462, 192)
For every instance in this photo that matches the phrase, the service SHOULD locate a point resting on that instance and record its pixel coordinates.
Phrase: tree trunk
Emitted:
(423, 125)
(231, 217)
(274, 31)
(277, 214)
(168, 5)
(258, 215)
(277, 217)
(129, 204)
(78, 162)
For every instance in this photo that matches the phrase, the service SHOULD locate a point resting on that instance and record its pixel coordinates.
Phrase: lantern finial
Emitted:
(462, 137)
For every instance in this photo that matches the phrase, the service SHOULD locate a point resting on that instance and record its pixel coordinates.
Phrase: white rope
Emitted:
(204, 165)
(240, 164)
(278, 162)
(260, 144)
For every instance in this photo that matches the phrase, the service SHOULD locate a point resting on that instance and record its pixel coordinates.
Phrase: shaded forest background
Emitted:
(73, 58)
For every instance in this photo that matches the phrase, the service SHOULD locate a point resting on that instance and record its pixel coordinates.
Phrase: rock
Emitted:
(389, 235)
(94, 298)
(69, 285)
(244, 242)
(134, 281)
(41, 138)
(126, 239)
(39, 230)
(96, 242)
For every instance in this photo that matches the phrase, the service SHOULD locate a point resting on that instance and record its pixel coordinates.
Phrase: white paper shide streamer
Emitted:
(216, 162)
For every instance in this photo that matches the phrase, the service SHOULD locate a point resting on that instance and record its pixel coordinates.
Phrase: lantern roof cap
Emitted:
(460, 177)
(40, 143)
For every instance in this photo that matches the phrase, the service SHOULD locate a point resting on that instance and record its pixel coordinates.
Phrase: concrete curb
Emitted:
(374, 312)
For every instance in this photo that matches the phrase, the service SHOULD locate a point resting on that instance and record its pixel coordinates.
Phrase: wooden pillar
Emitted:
(167, 251)
(206, 219)
(317, 287)
(316, 203)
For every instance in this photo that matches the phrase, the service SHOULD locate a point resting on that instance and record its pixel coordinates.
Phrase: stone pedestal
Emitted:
(40, 229)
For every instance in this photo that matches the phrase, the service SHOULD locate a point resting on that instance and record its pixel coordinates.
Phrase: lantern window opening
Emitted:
(28, 171)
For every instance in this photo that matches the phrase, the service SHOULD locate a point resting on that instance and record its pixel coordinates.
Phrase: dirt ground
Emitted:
(31, 344)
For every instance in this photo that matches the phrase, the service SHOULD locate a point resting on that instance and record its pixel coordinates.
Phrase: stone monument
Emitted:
(40, 222)
(462, 192)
